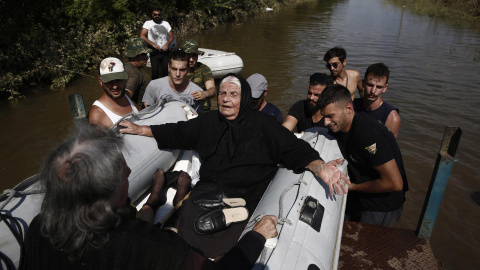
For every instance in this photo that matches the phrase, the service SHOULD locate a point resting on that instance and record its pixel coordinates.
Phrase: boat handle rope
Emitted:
(281, 218)
(154, 107)
(11, 193)
(17, 233)
(17, 230)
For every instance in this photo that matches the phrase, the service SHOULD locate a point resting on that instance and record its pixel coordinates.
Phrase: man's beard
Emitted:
(313, 108)
(118, 97)
(158, 20)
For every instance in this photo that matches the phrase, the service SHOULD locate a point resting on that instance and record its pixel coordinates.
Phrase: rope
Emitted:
(281, 219)
(137, 115)
(17, 233)
(310, 137)
(253, 221)
(11, 193)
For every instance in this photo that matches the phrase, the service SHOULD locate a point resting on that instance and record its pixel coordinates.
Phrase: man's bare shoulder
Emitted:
(98, 117)
(353, 73)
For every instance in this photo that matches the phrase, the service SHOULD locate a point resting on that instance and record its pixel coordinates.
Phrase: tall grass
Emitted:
(462, 11)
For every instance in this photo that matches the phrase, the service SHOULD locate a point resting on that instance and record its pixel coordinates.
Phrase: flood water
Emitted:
(434, 81)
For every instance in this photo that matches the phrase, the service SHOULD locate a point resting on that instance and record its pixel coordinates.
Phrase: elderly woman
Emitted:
(240, 149)
(86, 223)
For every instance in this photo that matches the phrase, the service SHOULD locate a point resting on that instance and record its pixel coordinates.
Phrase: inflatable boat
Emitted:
(310, 220)
(221, 63)
(21, 204)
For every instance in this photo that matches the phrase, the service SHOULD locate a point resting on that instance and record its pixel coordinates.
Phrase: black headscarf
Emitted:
(231, 133)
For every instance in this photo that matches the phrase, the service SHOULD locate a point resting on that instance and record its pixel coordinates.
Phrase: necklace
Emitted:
(346, 84)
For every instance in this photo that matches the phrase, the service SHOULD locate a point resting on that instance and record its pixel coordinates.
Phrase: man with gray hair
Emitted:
(86, 221)
(240, 148)
(259, 86)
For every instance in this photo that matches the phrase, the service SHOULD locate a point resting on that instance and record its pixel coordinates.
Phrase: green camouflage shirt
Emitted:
(201, 74)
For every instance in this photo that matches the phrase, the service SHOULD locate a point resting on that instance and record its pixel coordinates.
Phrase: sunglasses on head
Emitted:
(157, 14)
(334, 65)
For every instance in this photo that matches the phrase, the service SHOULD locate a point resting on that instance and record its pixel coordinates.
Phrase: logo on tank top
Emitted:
(372, 149)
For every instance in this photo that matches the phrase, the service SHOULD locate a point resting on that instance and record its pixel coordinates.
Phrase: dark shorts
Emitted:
(387, 219)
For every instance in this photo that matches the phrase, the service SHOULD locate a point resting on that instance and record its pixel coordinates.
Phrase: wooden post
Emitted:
(78, 109)
(438, 183)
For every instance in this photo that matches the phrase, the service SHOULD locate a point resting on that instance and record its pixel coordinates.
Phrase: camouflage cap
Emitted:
(137, 46)
(191, 46)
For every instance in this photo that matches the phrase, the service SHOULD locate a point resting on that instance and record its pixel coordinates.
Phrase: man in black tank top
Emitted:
(375, 84)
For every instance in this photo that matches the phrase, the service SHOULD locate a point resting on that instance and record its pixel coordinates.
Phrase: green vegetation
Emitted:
(462, 11)
(49, 42)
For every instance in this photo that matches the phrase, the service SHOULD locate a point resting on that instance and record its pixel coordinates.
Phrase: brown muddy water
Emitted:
(434, 81)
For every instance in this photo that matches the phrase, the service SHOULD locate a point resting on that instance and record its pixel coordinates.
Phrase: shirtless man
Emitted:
(113, 104)
(336, 60)
(375, 84)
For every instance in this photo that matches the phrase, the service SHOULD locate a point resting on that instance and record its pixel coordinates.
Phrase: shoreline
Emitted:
(462, 12)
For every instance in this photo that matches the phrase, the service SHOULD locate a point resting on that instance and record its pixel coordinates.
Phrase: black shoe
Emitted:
(216, 199)
(218, 219)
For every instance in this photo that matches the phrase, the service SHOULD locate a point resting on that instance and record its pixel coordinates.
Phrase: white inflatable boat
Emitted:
(221, 63)
(310, 220)
(141, 153)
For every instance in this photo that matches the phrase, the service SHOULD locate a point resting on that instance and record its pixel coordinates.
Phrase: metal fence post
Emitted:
(438, 183)
(78, 109)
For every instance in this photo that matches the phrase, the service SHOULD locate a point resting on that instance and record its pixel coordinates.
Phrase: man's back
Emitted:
(134, 244)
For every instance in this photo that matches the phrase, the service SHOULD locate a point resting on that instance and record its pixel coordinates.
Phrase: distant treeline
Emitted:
(466, 11)
(49, 42)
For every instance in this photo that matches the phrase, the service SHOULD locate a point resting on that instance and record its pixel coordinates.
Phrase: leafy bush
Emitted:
(50, 42)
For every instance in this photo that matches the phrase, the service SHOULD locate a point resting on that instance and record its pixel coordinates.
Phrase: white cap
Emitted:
(111, 68)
